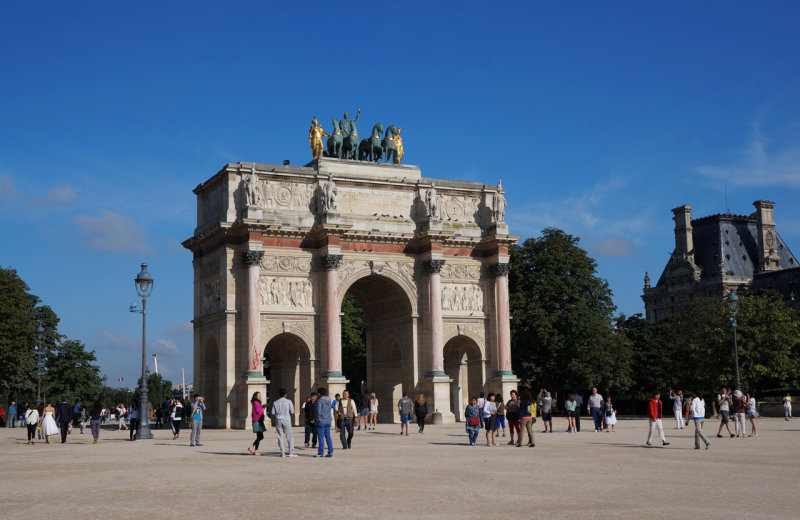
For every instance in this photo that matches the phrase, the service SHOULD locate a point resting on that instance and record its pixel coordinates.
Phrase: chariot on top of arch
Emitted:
(343, 142)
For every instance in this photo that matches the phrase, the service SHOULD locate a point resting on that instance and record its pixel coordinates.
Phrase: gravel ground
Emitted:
(434, 475)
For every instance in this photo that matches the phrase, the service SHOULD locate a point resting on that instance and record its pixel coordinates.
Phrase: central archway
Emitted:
(287, 364)
(389, 341)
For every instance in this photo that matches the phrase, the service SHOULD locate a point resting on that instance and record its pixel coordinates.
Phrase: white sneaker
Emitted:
(293, 454)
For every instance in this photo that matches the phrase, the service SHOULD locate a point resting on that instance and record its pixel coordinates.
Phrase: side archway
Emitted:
(287, 364)
(464, 365)
(209, 382)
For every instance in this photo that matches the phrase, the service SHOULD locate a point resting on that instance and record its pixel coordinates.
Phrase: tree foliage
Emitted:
(354, 341)
(562, 327)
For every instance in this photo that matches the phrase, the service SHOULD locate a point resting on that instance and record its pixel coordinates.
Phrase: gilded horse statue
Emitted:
(370, 149)
(389, 146)
(335, 141)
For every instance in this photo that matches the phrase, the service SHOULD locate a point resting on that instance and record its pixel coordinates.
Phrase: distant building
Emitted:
(718, 254)
(180, 390)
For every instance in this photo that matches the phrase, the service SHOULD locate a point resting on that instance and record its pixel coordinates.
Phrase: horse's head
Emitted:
(391, 131)
(377, 129)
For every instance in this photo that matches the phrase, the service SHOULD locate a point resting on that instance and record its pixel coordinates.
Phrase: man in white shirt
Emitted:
(699, 416)
(282, 411)
(595, 408)
(724, 403)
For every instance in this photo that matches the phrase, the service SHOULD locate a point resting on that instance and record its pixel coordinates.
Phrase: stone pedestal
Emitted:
(503, 384)
(253, 382)
(335, 385)
(437, 393)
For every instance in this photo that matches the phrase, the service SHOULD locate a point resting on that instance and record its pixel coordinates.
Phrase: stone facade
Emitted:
(276, 249)
(718, 254)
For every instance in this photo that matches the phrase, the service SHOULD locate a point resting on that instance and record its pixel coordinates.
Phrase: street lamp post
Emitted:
(39, 362)
(144, 287)
(733, 308)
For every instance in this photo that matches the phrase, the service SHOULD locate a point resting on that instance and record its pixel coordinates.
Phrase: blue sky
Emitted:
(598, 116)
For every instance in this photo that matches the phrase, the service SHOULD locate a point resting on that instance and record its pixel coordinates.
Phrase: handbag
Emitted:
(474, 421)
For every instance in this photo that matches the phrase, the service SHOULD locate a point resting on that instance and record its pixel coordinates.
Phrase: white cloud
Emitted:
(759, 165)
(118, 341)
(164, 347)
(112, 232)
(59, 194)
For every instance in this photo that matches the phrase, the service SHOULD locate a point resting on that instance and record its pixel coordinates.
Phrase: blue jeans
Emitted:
(324, 437)
(473, 435)
(597, 415)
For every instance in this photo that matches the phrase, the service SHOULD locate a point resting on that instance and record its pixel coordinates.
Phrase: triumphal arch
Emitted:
(277, 248)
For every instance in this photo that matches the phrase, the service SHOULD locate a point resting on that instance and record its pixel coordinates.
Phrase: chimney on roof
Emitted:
(767, 238)
(684, 244)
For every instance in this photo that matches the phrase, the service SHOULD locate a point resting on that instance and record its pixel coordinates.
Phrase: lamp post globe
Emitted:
(144, 287)
(732, 301)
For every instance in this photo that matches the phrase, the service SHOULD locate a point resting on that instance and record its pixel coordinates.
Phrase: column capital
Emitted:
(500, 269)
(330, 262)
(433, 266)
(251, 258)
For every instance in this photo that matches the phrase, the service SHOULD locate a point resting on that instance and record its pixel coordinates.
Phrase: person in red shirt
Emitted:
(655, 412)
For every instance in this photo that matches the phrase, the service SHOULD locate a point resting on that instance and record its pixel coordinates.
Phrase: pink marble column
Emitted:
(434, 268)
(333, 326)
(252, 259)
(503, 320)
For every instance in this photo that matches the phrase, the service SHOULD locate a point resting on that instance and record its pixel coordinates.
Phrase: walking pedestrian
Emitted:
(310, 420)
(752, 414)
(159, 417)
(82, 418)
(739, 409)
(472, 416)
(257, 416)
(655, 413)
(64, 414)
(481, 404)
(176, 418)
(334, 409)
(404, 408)
(373, 411)
(48, 422)
(282, 411)
(570, 405)
(578, 401)
(12, 415)
(421, 411)
(121, 412)
(724, 407)
(95, 419)
(363, 417)
(699, 416)
(526, 417)
(31, 422)
(39, 432)
(198, 409)
(546, 409)
(677, 406)
(323, 423)
(490, 419)
(787, 406)
(348, 413)
(610, 415)
(133, 425)
(595, 409)
(512, 414)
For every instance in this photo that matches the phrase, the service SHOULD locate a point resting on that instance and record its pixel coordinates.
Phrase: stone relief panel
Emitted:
(361, 201)
(210, 298)
(460, 272)
(277, 195)
(460, 207)
(286, 292)
(287, 264)
(462, 297)
(404, 270)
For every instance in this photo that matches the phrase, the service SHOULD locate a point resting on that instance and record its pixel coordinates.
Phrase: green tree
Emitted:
(158, 389)
(561, 329)
(72, 372)
(17, 332)
(354, 343)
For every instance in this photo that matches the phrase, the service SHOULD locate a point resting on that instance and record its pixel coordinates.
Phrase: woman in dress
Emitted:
(121, 412)
(48, 421)
(258, 422)
(787, 406)
(373, 412)
(95, 418)
(421, 411)
(570, 406)
(31, 421)
(752, 414)
(472, 416)
(611, 414)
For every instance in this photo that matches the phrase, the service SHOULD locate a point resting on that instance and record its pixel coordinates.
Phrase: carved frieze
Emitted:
(348, 267)
(287, 264)
(264, 194)
(285, 292)
(462, 297)
(210, 298)
(461, 272)
(459, 207)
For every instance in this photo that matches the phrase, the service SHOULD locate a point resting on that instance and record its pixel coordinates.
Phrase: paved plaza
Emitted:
(434, 475)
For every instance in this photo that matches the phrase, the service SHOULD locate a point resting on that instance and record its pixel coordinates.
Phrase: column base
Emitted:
(436, 387)
(503, 382)
(334, 384)
(253, 382)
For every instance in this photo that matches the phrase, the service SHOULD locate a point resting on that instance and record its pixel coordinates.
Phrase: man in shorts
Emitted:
(724, 403)
(546, 409)
(404, 407)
